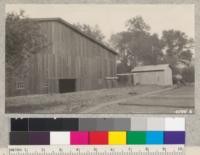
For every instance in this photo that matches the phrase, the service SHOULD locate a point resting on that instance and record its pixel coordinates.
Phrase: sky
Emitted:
(111, 18)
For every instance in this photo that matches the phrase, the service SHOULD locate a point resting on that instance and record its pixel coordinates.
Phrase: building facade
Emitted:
(73, 61)
(153, 75)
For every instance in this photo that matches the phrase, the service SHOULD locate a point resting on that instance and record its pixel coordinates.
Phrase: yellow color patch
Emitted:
(116, 137)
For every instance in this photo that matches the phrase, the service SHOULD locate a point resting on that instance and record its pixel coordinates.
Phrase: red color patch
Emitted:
(98, 137)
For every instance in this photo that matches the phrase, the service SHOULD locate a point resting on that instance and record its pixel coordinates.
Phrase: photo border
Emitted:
(192, 120)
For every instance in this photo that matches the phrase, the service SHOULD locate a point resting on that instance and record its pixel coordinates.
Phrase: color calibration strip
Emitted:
(97, 131)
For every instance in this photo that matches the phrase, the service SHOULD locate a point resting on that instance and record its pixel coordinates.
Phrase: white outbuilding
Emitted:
(153, 75)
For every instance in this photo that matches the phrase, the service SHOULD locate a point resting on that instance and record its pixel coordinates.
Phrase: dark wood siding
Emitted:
(70, 55)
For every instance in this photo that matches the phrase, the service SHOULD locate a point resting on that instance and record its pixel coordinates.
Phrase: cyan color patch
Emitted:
(154, 137)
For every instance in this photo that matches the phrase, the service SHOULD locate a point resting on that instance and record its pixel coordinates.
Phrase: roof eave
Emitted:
(77, 30)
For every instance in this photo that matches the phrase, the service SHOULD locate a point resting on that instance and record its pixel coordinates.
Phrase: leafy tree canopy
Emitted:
(176, 46)
(93, 32)
(23, 39)
(137, 24)
(136, 45)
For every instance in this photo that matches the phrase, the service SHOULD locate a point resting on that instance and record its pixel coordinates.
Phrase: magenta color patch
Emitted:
(79, 138)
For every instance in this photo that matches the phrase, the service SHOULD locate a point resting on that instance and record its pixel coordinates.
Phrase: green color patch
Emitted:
(136, 137)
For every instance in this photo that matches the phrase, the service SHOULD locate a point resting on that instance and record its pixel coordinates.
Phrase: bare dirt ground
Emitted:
(138, 99)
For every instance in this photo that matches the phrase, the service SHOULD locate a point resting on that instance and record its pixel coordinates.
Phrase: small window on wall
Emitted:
(20, 85)
(46, 84)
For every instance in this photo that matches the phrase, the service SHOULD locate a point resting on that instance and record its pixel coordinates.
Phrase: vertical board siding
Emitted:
(69, 55)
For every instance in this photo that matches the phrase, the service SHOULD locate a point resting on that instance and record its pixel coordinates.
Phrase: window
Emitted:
(46, 84)
(20, 85)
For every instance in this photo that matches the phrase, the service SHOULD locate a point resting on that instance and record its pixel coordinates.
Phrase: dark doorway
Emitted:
(67, 85)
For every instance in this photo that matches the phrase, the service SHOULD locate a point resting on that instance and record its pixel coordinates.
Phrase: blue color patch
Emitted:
(154, 137)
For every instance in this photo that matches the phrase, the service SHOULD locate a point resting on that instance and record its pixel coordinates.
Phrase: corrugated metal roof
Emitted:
(60, 20)
(150, 68)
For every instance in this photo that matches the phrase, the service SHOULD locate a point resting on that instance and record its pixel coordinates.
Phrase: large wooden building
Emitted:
(74, 61)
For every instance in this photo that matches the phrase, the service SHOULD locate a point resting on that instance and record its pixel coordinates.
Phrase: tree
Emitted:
(188, 74)
(136, 45)
(177, 47)
(137, 24)
(93, 32)
(120, 42)
(23, 39)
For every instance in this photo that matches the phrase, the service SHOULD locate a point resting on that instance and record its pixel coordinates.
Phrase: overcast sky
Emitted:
(111, 18)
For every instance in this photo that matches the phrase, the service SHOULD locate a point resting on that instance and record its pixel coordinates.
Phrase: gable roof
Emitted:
(160, 67)
(72, 27)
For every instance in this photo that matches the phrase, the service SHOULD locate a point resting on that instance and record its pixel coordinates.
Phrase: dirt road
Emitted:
(139, 99)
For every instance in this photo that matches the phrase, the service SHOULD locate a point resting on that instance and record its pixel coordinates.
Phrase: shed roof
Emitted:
(60, 20)
(151, 68)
